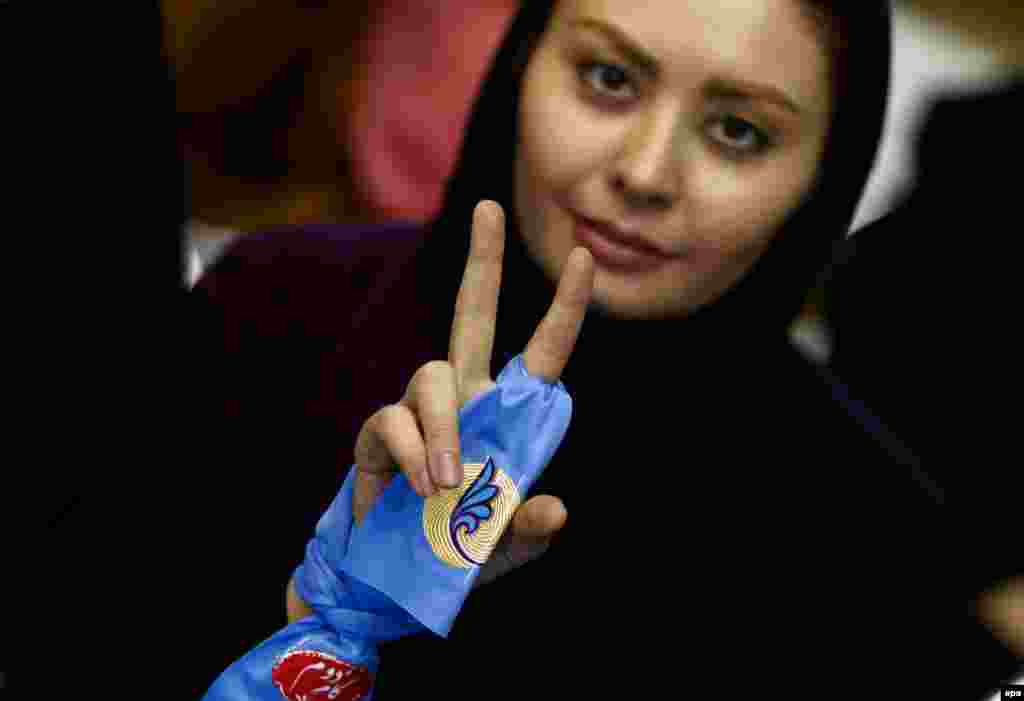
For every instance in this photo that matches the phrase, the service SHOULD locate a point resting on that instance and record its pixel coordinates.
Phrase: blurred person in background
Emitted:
(921, 303)
(938, 50)
(348, 111)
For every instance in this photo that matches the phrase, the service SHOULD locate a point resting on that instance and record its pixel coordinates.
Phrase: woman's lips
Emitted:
(612, 252)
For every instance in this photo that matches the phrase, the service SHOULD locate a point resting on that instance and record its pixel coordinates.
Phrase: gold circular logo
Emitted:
(464, 524)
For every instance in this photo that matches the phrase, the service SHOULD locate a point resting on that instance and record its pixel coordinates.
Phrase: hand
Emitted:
(420, 433)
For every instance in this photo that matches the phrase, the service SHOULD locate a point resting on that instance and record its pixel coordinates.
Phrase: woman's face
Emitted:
(671, 139)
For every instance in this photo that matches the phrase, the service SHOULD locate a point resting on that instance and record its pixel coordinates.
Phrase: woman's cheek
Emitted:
(569, 138)
(745, 212)
(728, 206)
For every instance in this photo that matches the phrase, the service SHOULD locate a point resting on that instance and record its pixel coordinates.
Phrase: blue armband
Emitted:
(411, 563)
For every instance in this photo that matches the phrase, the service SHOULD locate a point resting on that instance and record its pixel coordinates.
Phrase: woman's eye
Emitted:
(739, 135)
(607, 80)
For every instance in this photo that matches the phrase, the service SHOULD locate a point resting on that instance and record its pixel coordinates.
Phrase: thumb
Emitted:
(528, 537)
(539, 517)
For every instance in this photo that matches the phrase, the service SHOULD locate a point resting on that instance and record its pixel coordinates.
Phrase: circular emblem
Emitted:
(307, 675)
(464, 524)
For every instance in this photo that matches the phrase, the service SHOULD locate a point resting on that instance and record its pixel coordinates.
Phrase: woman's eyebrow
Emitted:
(733, 89)
(637, 56)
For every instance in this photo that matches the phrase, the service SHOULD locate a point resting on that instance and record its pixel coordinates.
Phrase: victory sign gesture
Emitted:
(419, 434)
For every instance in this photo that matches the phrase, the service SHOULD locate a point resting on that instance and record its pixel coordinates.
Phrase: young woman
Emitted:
(708, 155)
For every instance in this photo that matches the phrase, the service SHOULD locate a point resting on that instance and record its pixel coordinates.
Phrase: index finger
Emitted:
(476, 308)
(548, 351)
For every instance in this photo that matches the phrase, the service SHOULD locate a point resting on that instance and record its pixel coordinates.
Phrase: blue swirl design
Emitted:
(474, 507)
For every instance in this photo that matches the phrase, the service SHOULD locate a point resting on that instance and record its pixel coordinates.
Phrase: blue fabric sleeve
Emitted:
(411, 563)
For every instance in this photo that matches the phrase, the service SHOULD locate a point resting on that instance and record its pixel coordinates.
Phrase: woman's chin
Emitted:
(635, 305)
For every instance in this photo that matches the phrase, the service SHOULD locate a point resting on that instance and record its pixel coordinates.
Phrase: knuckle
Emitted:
(368, 430)
(366, 449)
(441, 431)
(564, 337)
(386, 437)
(433, 371)
(564, 333)
(552, 342)
(399, 424)
(387, 419)
(376, 433)
(435, 383)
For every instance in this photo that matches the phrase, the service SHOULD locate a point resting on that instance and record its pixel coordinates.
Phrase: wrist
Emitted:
(296, 608)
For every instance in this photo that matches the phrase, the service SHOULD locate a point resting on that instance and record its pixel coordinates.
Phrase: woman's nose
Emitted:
(647, 172)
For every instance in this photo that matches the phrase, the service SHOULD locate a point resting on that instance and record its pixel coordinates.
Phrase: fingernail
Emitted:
(449, 470)
(424, 485)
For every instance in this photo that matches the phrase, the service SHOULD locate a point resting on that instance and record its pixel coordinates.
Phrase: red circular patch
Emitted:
(306, 675)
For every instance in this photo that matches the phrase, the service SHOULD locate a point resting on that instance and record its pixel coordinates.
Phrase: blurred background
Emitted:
(292, 113)
(321, 111)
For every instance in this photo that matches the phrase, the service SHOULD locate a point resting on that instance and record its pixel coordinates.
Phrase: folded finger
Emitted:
(538, 517)
(433, 397)
(391, 440)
